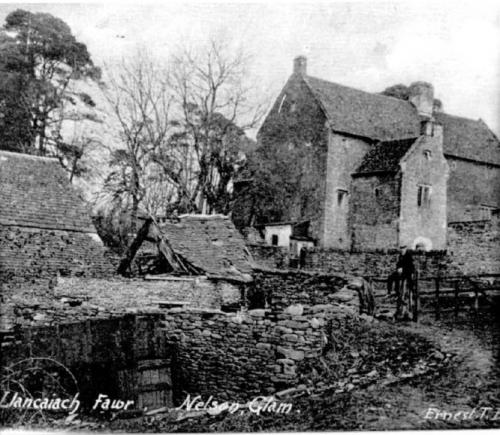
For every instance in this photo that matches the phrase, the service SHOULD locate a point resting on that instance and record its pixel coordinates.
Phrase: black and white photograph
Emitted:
(224, 216)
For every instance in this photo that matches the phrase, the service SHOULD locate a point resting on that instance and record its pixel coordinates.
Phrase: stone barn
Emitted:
(45, 226)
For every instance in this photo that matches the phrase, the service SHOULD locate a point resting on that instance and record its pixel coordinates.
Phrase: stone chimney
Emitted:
(300, 65)
(421, 95)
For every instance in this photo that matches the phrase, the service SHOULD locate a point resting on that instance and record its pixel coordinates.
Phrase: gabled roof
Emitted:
(468, 139)
(35, 192)
(365, 114)
(210, 243)
(383, 118)
(385, 156)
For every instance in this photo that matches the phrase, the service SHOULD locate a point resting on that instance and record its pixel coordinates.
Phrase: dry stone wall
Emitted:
(278, 289)
(143, 293)
(474, 246)
(241, 356)
(374, 263)
(33, 252)
(269, 256)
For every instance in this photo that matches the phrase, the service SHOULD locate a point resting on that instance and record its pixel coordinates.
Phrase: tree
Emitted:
(402, 92)
(38, 57)
(397, 91)
(140, 101)
(215, 107)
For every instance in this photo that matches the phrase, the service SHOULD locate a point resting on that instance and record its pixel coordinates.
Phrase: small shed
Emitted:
(193, 245)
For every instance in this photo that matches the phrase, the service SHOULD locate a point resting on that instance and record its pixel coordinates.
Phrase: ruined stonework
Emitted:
(195, 291)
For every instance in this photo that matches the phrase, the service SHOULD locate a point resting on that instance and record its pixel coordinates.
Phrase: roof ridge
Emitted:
(375, 94)
(28, 156)
(461, 117)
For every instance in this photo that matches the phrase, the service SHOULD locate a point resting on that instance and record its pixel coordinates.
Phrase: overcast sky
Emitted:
(367, 45)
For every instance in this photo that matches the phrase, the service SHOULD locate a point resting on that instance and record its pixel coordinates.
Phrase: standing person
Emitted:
(405, 266)
(405, 270)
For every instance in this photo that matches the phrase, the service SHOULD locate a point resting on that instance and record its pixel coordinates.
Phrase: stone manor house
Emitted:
(379, 171)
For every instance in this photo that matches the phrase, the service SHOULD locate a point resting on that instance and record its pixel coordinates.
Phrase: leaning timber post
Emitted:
(438, 314)
(456, 297)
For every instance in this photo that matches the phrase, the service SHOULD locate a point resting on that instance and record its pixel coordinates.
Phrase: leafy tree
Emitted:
(403, 92)
(38, 57)
(397, 91)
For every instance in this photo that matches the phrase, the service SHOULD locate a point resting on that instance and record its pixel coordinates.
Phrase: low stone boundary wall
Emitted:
(281, 288)
(374, 263)
(268, 255)
(241, 356)
(145, 293)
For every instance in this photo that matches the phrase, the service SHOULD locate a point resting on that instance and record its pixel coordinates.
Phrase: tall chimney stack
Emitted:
(421, 95)
(300, 65)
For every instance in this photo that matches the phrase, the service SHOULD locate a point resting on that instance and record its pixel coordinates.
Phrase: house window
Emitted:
(341, 197)
(427, 154)
(423, 196)
(274, 240)
(378, 192)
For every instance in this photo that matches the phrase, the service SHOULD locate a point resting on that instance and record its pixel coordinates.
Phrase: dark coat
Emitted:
(405, 262)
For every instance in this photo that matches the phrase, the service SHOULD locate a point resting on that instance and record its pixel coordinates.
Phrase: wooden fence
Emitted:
(478, 288)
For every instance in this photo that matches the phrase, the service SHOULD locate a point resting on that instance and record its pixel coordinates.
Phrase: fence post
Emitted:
(438, 314)
(476, 299)
(416, 306)
(456, 298)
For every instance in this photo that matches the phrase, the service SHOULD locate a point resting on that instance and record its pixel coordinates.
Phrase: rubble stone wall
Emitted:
(34, 252)
(143, 293)
(281, 288)
(374, 263)
(474, 246)
(269, 256)
(245, 355)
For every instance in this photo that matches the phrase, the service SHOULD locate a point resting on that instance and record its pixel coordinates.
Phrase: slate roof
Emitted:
(35, 192)
(468, 139)
(209, 242)
(365, 114)
(385, 156)
(384, 118)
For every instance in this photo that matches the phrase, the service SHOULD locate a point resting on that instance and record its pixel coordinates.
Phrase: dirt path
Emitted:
(471, 381)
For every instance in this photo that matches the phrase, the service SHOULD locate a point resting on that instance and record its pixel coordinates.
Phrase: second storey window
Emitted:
(424, 196)
(341, 197)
